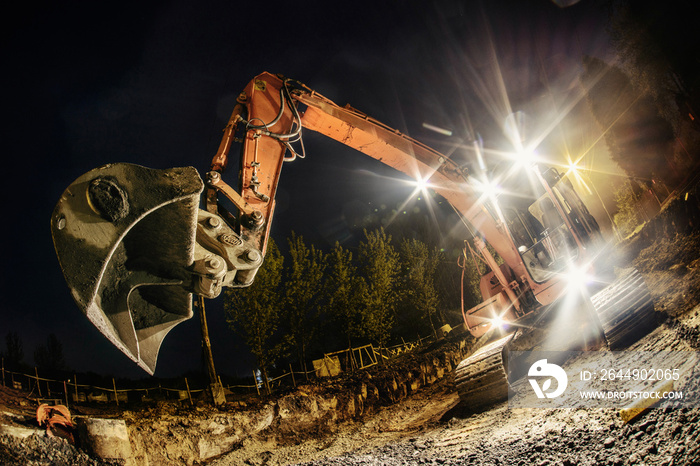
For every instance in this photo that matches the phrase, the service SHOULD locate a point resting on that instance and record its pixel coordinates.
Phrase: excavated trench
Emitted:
(310, 413)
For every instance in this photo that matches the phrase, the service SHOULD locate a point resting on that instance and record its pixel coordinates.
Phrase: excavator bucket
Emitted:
(124, 236)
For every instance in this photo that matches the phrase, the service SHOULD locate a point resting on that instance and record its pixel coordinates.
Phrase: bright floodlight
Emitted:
(526, 158)
(421, 184)
(573, 168)
(577, 277)
(529, 156)
(489, 188)
(498, 322)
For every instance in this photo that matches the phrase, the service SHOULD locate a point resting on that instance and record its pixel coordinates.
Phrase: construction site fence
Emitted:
(70, 391)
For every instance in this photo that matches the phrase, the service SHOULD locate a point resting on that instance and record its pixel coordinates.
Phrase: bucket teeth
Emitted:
(124, 235)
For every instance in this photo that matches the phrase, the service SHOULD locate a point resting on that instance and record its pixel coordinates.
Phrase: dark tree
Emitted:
(255, 312)
(49, 357)
(15, 351)
(660, 49)
(303, 292)
(639, 140)
(343, 292)
(379, 263)
(419, 296)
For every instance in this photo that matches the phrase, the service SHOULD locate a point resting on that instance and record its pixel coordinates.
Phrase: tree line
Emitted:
(647, 103)
(313, 300)
(47, 356)
(307, 301)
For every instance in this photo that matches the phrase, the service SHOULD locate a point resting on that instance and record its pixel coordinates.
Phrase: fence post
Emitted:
(189, 395)
(75, 379)
(65, 392)
(291, 371)
(255, 381)
(350, 355)
(116, 395)
(38, 387)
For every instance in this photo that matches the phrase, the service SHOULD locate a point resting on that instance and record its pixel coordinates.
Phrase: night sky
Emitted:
(93, 83)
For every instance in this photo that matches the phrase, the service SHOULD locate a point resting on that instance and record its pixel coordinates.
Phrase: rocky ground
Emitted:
(410, 414)
(574, 436)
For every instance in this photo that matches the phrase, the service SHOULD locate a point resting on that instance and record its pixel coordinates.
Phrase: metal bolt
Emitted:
(61, 223)
(213, 177)
(252, 255)
(254, 220)
(214, 222)
(213, 263)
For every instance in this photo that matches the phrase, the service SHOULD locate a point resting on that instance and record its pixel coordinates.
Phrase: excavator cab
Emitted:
(553, 234)
(549, 224)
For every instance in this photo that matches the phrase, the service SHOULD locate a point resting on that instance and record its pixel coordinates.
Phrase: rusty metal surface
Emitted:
(124, 236)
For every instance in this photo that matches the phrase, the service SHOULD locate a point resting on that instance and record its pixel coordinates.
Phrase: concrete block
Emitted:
(106, 438)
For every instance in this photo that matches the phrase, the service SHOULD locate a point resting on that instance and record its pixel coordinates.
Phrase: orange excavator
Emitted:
(135, 246)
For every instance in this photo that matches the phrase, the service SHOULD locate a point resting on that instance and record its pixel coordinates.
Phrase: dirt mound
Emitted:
(313, 412)
(673, 266)
(174, 433)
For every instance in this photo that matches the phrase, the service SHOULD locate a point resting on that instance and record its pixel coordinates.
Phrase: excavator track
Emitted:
(625, 310)
(625, 313)
(481, 378)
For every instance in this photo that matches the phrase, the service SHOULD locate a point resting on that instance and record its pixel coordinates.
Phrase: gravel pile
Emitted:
(37, 450)
(669, 436)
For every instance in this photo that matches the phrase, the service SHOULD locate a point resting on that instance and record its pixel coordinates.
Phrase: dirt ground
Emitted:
(433, 428)
(389, 418)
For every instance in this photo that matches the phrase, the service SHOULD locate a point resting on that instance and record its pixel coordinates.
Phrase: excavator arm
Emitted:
(273, 121)
(269, 119)
(420, 162)
(134, 247)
